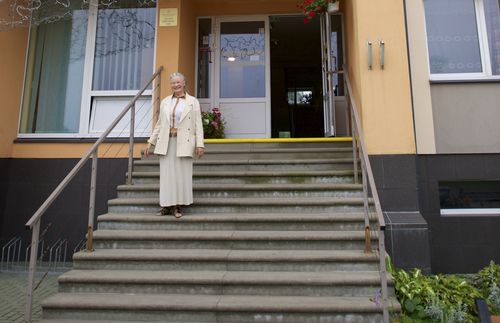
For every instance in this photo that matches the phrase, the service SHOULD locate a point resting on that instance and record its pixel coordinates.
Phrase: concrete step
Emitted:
(226, 259)
(250, 190)
(282, 151)
(235, 221)
(255, 177)
(273, 146)
(210, 308)
(230, 239)
(255, 164)
(288, 151)
(244, 205)
(267, 283)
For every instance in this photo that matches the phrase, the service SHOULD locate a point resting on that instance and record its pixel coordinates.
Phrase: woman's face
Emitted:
(177, 84)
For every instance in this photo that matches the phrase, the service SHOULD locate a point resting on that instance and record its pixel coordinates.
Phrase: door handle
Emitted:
(370, 55)
(382, 54)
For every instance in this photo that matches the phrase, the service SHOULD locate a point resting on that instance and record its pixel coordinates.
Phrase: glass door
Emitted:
(233, 73)
(328, 66)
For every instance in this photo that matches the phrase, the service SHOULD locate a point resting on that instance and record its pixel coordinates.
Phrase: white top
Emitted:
(178, 110)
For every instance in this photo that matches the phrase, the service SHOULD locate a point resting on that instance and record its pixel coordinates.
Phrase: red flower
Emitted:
(312, 14)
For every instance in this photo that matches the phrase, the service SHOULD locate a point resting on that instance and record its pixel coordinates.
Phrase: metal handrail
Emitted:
(34, 221)
(368, 179)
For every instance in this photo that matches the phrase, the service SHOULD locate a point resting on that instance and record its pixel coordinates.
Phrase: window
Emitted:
(83, 69)
(470, 198)
(463, 38)
(242, 60)
(123, 63)
(53, 85)
(124, 48)
(204, 57)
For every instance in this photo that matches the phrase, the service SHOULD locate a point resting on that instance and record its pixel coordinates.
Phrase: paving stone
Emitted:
(13, 295)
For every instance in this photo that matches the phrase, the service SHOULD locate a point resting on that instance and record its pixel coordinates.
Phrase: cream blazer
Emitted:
(189, 128)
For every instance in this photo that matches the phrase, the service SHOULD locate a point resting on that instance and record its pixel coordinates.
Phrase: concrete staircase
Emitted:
(275, 235)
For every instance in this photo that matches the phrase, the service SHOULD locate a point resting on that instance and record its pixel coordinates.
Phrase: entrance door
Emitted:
(238, 69)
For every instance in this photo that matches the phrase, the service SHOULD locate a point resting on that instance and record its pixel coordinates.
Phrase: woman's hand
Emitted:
(200, 151)
(146, 152)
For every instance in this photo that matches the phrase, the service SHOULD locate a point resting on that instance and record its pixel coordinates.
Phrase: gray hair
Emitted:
(177, 74)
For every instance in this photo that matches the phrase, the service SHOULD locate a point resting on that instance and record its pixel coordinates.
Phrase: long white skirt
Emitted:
(176, 177)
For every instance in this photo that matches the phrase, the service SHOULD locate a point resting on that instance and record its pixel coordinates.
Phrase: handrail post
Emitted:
(32, 269)
(368, 243)
(93, 180)
(131, 145)
(383, 274)
(354, 151)
(158, 99)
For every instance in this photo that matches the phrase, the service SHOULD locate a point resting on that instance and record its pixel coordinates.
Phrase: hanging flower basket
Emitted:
(313, 8)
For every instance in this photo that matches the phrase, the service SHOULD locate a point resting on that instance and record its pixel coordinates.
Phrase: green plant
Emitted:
(213, 124)
(435, 298)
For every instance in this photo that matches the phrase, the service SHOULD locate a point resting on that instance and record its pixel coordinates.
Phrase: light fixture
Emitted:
(231, 59)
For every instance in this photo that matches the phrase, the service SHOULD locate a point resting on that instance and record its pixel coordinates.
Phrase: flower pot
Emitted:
(333, 7)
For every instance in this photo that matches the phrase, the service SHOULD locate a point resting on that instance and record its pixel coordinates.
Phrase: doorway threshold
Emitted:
(271, 140)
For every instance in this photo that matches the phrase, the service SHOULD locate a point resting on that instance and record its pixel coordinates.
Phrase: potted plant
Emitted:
(213, 124)
(312, 8)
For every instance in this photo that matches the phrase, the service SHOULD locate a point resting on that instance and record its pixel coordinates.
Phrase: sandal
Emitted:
(177, 212)
(163, 211)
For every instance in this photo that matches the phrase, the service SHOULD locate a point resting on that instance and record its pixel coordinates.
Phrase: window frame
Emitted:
(484, 49)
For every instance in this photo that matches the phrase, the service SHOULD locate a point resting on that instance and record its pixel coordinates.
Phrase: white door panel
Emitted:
(245, 120)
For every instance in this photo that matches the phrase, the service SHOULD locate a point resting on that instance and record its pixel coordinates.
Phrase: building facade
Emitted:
(425, 75)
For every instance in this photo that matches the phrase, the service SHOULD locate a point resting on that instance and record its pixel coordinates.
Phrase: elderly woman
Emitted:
(177, 137)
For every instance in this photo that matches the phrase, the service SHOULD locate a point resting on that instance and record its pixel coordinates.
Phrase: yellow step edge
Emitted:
(271, 140)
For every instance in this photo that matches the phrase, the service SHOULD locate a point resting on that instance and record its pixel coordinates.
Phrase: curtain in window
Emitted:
(124, 48)
(492, 13)
(452, 36)
(54, 77)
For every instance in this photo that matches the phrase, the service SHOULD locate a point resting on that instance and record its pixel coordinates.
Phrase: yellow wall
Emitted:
(13, 50)
(187, 45)
(167, 46)
(382, 95)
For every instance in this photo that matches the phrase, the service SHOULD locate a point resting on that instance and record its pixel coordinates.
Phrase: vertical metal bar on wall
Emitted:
(131, 145)
(32, 269)
(383, 275)
(93, 181)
